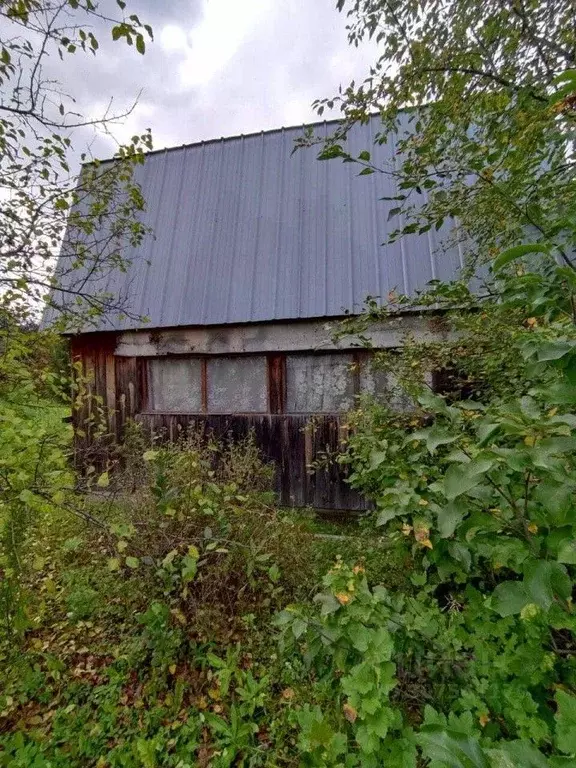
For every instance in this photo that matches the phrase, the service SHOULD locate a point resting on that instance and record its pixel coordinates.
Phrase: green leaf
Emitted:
(567, 552)
(556, 498)
(360, 637)
(330, 152)
(554, 350)
(565, 736)
(434, 436)
(544, 580)
(388, 514)
(509, 598)
(140, 44)
(451, 749)
(567, 85)
(486, 432)
(460, 478)
(449, 518)
(299, 626)
(511, 254)
(461, 554)
(377, 458)
(132, 562)
(568, 75)
(103, 480)
(113, 564)
(515, 754)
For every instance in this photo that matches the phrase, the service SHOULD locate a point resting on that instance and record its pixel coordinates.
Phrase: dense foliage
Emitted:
(149, 639)
(41, 194)
(478, 98)
(477, 668)
(176, 626)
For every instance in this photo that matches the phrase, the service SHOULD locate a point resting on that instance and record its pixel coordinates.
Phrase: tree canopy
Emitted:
(480, 99)
(40, 192)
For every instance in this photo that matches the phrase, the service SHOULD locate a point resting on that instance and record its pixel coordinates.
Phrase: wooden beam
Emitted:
(276, 383)
(204, 384)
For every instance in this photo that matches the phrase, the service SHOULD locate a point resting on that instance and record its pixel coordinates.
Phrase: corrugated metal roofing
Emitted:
(247, 231)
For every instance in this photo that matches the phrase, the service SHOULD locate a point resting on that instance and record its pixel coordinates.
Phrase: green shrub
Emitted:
(481, 655)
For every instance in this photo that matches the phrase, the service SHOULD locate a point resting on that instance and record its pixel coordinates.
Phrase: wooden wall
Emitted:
(292, 442)
(115, 391)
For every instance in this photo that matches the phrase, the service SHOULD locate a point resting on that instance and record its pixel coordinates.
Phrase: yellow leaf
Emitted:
(406, 529)
(179, 616)
(214, 694)
(35, 720)
(172, 668)
(350, 713)
(533, 528)
(530, 441)
(426, 543)
(484, 720)
(423, 503)
(422, 534)
(343, 598)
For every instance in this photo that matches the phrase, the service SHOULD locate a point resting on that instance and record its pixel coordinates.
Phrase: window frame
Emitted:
(276, 384)
(146, 381)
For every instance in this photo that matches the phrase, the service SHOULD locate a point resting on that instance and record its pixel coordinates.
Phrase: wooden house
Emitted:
(257, 252)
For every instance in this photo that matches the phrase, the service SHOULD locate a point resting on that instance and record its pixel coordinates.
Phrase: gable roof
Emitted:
(247, 231)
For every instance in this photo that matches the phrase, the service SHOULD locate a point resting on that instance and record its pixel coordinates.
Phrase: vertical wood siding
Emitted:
(291, 442)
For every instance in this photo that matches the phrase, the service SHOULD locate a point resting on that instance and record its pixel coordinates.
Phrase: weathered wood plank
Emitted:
(292, 443)
(127, 392)
(276, 383)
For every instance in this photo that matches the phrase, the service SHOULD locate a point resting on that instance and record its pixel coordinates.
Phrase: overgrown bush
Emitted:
(34, 447)
(150, 640)
(477, 667)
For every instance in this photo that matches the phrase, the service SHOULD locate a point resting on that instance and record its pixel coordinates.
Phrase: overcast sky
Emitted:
(222, 67)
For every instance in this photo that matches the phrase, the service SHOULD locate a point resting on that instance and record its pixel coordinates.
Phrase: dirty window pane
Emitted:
(175, 385)
(319, 383)
(384, 386)
(237, 385)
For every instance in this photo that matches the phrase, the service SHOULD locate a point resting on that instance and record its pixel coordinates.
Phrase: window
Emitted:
(237, 385)
(384, 386)
(231, 385)
(175, 385)
(319, 383)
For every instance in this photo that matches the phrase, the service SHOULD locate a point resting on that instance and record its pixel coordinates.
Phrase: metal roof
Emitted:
(247, 231)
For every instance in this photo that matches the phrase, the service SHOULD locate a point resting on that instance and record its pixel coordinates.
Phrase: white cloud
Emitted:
(220, 67)
(211, 44)
(173, 38)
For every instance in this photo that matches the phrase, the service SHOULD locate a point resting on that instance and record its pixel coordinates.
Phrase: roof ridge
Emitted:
(237, 136)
